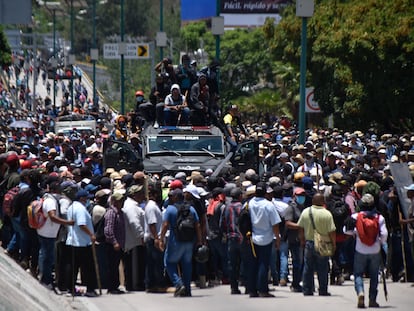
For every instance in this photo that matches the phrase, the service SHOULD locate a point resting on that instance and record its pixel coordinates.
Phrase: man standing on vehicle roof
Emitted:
(232, 121)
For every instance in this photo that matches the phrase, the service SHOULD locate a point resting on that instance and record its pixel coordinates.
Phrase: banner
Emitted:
(252, 6)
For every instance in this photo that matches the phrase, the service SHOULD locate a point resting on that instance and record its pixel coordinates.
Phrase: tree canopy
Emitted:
(360, 59)
(5, 55)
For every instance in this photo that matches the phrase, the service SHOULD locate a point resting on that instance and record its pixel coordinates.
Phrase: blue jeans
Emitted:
(169, 113)
(297, 264)
(369, 263)
(233, 144)
(260, 267)
(46, 258)
(314, 262)
(284, 254)
(279, 270)
(20, 238)
(179, 252)
(14, 243)
(234, 260)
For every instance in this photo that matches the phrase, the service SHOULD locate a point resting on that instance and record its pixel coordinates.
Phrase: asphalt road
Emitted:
(219, 298)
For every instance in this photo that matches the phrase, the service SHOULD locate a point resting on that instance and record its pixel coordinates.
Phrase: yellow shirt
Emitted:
(323, 219)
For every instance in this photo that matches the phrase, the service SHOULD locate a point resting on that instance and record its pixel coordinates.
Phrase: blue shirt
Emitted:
(170, 215)
(76, 236)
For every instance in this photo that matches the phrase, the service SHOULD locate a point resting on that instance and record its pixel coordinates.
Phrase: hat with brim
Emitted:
(134, 189)
(410, 187)
(251, 190)
(193, 190)
(118, 195)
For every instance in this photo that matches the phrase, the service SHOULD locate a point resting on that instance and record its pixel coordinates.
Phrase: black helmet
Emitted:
(201, 254)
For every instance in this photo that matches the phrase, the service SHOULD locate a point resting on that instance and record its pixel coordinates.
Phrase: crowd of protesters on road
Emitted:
(100, 214)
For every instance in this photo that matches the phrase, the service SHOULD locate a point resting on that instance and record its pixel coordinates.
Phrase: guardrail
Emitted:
(102, 98)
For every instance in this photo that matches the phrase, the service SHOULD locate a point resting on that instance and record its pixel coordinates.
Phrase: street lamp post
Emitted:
(93, 51)
(217, 29)
(72, 53)
(54, 6)
(55, 57)
(304, 9)
(78, 4)
(122, 50)
(161, 27)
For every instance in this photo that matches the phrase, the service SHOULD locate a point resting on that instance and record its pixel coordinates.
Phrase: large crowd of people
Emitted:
(99, 215)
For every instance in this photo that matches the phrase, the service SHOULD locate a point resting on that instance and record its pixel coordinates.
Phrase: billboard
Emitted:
(192, 10)
(252, 6)
(236, 13)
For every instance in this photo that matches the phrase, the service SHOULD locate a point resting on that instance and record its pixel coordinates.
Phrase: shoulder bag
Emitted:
(323, 243)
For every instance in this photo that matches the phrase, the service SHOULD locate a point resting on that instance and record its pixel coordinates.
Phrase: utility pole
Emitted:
(161, 27)
(304, 9)
(122, 52)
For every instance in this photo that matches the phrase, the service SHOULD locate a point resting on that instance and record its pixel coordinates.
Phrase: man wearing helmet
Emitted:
(144, 108)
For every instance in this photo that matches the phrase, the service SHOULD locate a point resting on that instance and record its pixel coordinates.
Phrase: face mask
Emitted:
(309, 162)
(140, 98)
(300, 199)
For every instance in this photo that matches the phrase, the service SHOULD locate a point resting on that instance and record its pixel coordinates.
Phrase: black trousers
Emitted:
(134, 268)
(114, 258)
(82, 259)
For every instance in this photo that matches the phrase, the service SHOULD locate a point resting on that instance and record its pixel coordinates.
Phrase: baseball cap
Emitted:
(176, 184)
(283, 155)
(261, 188)
(82, 193)
(180, 175)
(193, 190)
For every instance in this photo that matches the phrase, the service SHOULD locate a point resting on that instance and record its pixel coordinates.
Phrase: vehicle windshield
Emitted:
(75, 117)
(81, 131)
(185, 143)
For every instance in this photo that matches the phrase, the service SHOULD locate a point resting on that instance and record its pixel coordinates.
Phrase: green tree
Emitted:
(5, 55)
(360, 59)
(190, 35)
(245, 61)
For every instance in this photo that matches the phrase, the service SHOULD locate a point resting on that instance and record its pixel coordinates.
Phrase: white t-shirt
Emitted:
(49, 229)
(153, 215)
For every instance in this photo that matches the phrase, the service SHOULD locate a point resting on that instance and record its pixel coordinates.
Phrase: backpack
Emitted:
(245, 221)
(99, 228)
(35, 215)
(214, 220)
(340, 211)
(8, 200)
(185, 226)
(368, 228)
